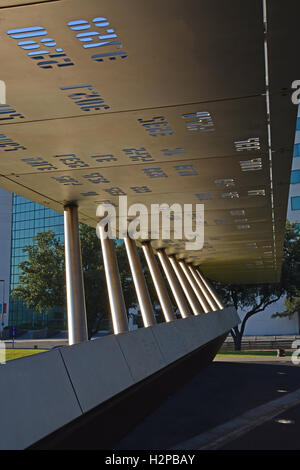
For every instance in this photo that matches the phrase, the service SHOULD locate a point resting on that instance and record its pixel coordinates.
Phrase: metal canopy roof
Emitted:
(113, 88)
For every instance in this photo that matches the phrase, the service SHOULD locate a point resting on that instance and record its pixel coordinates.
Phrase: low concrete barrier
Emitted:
(97, 370)
(141, 352)
(39, 394)
(36, 397)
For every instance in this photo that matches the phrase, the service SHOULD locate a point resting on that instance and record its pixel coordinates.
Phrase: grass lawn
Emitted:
(226, 353)
(11, 354)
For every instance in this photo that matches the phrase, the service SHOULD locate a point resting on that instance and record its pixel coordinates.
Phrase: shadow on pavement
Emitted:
(217, 394)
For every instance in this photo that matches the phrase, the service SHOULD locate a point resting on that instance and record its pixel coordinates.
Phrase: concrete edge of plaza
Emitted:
(41, 394)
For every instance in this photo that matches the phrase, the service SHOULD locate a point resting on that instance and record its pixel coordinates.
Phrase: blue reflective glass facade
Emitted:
(297, 150)
(29, 218)
(295, 177)
(295, 201)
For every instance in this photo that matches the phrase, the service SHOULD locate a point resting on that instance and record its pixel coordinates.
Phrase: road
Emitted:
(219, 396)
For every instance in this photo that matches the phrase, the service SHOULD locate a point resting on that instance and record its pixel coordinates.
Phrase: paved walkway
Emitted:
(221, 396)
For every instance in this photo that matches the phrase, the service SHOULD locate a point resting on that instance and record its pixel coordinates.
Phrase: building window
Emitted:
(295, 177)
(295, 201)
(297, 150)
(28, 219)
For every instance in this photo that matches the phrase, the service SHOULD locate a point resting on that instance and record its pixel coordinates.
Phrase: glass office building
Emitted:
(29, 218)
(293, 214)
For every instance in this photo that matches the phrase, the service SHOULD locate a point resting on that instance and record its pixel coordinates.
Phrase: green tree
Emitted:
(252, 298)
(128, 286)
(292, 307)
(292, 301)
(255, 298)
(42, 282)
(94, 281)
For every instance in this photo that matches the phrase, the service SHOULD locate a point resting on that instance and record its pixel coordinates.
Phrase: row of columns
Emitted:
(193, 294)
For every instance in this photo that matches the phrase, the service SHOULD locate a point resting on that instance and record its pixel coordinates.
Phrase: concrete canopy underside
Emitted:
(173, 60)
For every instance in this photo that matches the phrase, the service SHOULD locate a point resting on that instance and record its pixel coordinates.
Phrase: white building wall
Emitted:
(5, 247)
(262, 323)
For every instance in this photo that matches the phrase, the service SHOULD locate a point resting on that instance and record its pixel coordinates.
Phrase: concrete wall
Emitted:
(263, 324)
(39, 394)
(5, 244)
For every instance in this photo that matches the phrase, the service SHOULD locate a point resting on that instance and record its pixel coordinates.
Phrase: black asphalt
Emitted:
(217, 394)
(280, 433)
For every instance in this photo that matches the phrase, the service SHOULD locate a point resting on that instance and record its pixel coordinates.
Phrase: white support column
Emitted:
(113, 281)
(159, 284)
(198, 293)
(76, 310)
(139, 283)
(186, 287)
(211, 290)
(203, 289)
(174, 284)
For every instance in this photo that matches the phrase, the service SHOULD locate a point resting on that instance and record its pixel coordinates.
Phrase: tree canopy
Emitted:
(255, 298)
(42, 280)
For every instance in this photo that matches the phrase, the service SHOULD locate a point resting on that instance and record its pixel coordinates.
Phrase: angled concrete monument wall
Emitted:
(42, 393)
